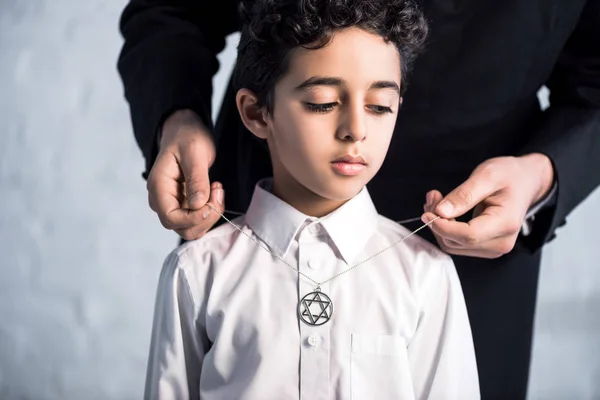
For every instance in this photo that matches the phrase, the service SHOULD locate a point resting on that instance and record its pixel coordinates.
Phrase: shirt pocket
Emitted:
(379, 368)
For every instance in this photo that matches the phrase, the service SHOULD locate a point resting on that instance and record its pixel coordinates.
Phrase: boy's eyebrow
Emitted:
(386, 85)
(332, 81)
(320, 81)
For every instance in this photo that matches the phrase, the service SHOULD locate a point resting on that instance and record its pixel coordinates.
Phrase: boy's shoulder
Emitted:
(196, 262)
(425, 266)
(213, 245)
(414, 244)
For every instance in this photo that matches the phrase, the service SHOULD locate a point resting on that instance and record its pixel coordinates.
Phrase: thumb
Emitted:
(195, 175)
(465, 196)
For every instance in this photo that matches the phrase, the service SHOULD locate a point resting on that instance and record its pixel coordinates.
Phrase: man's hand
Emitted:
(500, 191)
(178, 184)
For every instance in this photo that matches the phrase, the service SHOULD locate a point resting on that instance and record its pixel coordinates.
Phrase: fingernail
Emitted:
(196, 197)
(446, 207)
(425, 219)
(205, 215)
(220, 196)
(428, 199)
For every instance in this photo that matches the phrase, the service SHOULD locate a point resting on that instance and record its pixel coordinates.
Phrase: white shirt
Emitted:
(226, 323)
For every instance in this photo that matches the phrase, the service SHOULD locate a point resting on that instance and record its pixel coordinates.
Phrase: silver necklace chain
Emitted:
(404, 221)
(336, 275)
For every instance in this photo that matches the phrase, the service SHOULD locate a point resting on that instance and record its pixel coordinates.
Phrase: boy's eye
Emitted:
(327, 107)
(380, 109)
(321, 108)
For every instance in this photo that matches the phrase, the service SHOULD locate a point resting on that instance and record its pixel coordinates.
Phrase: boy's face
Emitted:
(333, 117)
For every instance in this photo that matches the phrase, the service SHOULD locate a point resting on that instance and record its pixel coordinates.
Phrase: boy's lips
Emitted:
(349, 165)
(350, 160)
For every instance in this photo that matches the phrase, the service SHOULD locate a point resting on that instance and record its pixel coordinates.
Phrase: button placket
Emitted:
(314, 340)
(314, 361)
(313, 264)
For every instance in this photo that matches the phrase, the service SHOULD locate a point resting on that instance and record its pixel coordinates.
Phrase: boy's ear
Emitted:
(253, 117)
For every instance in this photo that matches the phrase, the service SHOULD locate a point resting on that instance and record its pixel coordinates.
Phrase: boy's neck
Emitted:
(304, 200)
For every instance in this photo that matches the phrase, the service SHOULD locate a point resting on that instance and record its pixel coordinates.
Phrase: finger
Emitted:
(493, 248)
(181, 195)
(216, 200)
(451, 244)
(432, 198)
(462, 232)
(492, 223)
(164, 194)
(209, 216)
(451, 247)
(163, 179)
(467, 195)
(194, 166)
(448, 247)
(472, 253)
(181, 218)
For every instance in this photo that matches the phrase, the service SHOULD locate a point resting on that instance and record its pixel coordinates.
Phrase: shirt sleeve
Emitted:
(441, 353)
(546, 202)
(179, 340)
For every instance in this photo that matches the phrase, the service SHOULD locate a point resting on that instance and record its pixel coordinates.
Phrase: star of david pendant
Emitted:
(315, 308)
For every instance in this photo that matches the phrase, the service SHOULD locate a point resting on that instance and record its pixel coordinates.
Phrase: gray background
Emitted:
(81, 251)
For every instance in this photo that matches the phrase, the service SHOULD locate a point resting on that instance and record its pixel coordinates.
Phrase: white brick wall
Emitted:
(80, 251)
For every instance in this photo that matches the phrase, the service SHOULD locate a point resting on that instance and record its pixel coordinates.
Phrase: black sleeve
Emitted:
(570, 131)
(168, 61)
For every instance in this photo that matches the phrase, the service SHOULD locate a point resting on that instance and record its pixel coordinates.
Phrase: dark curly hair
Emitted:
(272, 28)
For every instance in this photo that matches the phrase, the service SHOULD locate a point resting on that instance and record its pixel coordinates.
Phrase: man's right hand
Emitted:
(178, 184)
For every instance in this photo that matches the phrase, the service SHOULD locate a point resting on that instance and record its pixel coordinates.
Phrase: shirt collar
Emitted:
(277, 223)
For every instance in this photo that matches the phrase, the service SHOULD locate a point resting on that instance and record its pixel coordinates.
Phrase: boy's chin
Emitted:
(341, 191)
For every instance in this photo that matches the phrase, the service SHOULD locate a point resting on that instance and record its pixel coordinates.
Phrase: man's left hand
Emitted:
(500, 191)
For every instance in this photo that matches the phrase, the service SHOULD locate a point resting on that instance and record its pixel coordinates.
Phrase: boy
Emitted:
(311, 294)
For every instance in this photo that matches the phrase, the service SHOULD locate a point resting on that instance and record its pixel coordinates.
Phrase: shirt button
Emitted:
(314, 340)
(312, 264)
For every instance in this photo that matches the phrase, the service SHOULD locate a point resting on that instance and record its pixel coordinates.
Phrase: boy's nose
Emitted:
(353, 127)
